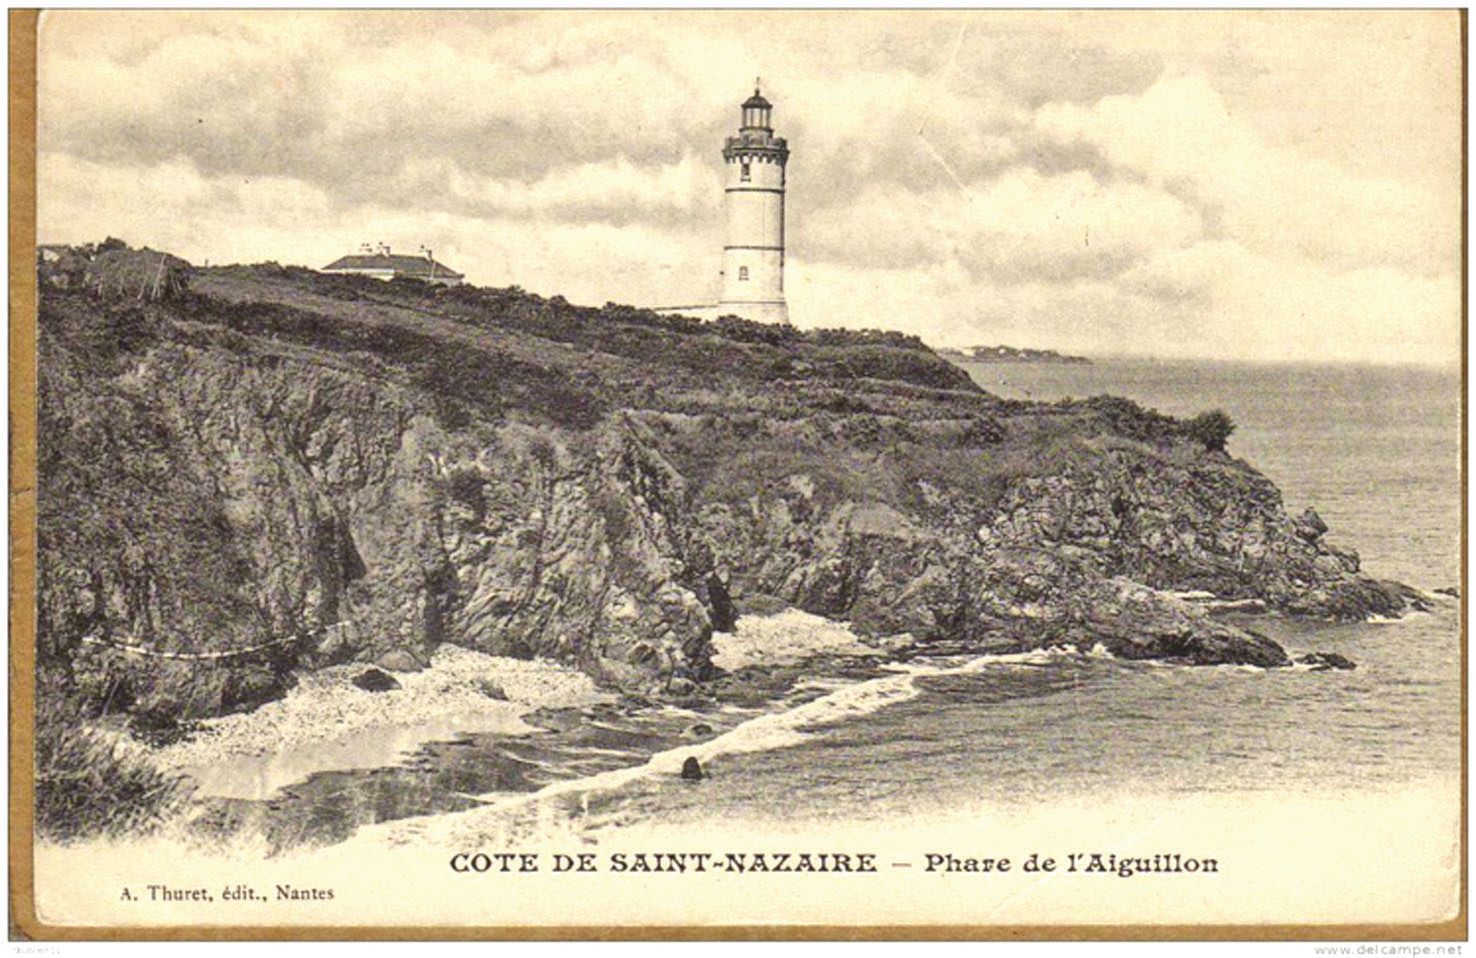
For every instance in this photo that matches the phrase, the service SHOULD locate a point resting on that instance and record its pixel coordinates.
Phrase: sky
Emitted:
(1231, 185)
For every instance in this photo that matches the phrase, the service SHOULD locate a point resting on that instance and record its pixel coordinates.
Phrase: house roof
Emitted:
(399, 262)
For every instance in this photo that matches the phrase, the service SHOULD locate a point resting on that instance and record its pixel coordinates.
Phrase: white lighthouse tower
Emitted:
(753, 251)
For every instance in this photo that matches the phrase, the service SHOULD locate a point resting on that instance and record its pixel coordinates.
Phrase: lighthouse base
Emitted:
(762, 312)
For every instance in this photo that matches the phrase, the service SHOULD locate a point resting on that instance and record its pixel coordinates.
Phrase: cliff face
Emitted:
(276, 470)
(968, 544)
(292, 501)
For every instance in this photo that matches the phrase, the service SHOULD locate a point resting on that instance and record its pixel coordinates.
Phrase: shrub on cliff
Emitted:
(89, 785)
(141, 275)
(1211, 429)
(751, 331)
(1127, 418)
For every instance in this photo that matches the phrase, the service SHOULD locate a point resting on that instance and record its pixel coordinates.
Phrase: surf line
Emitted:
(765, 732)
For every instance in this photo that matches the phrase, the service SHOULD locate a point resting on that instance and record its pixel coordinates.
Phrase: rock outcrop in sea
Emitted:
(267, 470)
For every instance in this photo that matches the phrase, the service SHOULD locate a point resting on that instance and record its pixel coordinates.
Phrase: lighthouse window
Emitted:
(746, 172)
(743, 273)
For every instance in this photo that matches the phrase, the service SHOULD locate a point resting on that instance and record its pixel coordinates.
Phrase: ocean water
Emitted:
(1374, 449)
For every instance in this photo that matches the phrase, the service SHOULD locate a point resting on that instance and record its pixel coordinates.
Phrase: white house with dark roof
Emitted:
(382, 263)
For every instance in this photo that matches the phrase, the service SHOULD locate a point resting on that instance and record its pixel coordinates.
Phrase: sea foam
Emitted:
(773, 730)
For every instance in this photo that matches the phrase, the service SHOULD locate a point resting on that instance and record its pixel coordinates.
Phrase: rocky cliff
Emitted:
(271, 470)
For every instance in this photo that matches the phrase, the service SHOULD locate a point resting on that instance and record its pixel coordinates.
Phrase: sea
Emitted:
(856, 739)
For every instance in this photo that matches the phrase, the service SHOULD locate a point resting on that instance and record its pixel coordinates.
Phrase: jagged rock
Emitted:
(337, 645)
(246, 686)
(492, 690)
(1324, 661)
(158, 727)
(715, 596)
(1450, 590)
(400, 660)
(186, 689)
(1309, 525)
(375, 680)
(1135, 622)
(1355, 600)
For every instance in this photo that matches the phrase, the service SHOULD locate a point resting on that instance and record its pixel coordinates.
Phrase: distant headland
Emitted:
(1009, 354)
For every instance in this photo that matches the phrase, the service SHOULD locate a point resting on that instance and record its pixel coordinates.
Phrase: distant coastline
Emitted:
(1009, 354)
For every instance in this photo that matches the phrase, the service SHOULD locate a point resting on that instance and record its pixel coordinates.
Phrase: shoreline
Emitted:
(325, 723)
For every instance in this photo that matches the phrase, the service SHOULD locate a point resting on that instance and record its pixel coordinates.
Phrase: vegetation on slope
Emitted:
(90, 783)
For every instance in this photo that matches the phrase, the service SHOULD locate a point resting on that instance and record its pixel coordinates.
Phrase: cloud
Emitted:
(948, 306)
(1019, 227)
(1181, 131)
(1038, 67)
(1224, 301)
(311, 103)
(1261, 307)
(615, 192)
(311, 98)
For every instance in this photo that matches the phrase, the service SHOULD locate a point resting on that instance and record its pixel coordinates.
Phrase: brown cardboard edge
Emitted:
(26, 924)
(22, 425)
(1465, 864)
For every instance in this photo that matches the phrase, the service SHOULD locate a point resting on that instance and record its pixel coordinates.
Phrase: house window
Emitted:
(743, 274)
(747, 172)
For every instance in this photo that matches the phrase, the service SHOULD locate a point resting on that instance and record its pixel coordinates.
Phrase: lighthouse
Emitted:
(753, 248)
